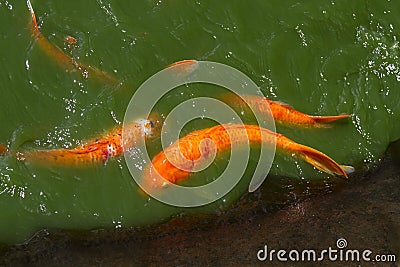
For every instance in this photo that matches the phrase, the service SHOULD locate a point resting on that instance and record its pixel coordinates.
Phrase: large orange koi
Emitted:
(58, 55)
(93, 151)
(185, 153)
(284, 113)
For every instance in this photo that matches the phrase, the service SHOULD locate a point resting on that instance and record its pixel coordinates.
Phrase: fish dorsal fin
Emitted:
(283, 104)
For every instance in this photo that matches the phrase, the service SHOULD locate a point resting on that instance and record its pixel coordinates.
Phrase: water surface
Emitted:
(323, 58)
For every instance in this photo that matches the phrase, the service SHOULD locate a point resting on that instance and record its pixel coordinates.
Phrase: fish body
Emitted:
(284, 113)
(100, 149)
(65, 60)
(187, 152)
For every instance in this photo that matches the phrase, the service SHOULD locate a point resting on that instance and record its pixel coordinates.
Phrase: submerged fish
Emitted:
(187, 155)
(70, 40)
(185, 66)
(3, 150)
(93, 151)
(284, 113)
(58, 55)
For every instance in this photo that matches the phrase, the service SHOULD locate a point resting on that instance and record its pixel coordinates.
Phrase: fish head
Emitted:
(152, 125)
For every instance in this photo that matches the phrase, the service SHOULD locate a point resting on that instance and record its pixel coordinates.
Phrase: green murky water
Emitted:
(322, 58)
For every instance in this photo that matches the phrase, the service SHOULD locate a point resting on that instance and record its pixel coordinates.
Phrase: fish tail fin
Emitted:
(322, 162)
(347, 169)
(324, 120)
(35, 25)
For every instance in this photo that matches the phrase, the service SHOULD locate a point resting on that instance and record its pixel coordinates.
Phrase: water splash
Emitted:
(384, 50)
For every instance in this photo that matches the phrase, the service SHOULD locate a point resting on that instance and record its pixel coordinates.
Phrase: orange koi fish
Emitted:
(98, 150)
(55, 52)
(185, 153)
(285, 114)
